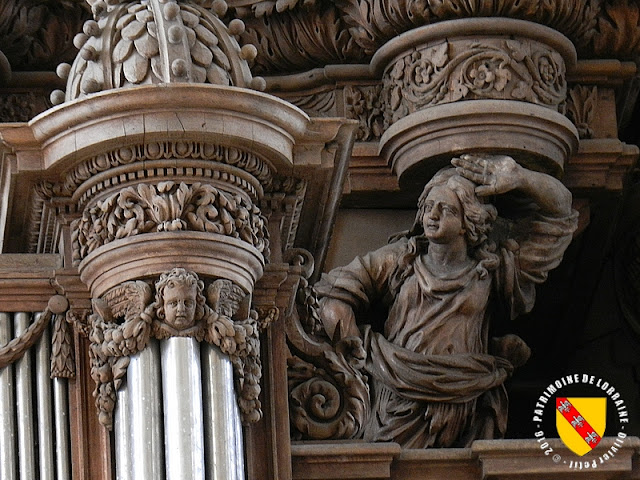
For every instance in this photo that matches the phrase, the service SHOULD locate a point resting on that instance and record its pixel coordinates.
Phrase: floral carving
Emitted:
(582, 103)
(128, 316)
(450, 71)
(363, 103)
(168, 206)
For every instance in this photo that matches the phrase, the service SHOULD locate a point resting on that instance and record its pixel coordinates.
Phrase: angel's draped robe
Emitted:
(434, 383)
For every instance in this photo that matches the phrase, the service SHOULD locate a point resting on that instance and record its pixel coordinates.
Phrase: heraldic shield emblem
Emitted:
(581, 422)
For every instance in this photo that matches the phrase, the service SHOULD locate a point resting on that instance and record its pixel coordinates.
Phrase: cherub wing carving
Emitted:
(129, 299)
(113, 342)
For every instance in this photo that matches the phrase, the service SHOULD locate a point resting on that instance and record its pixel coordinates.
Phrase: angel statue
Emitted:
(437, 380)
(128, 316)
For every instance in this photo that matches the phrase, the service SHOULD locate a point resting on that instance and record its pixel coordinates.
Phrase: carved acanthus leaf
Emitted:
(374, 22)
(618, 30)
(62, 351)
(582, 103)
(319, 104)
(168, 207)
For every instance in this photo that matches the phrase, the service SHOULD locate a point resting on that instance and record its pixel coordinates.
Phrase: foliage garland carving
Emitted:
(168, 206)
(364, 103)
(450, 71)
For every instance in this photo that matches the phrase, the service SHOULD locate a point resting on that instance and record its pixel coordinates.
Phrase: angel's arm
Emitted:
(497, 174)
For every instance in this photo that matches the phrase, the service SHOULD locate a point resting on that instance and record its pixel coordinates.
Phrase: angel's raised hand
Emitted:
(494, 174)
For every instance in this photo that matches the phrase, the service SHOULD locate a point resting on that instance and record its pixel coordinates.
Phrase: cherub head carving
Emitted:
(179, 299)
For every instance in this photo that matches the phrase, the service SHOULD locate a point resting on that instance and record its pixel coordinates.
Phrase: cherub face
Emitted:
(442, 219)
(180, 305)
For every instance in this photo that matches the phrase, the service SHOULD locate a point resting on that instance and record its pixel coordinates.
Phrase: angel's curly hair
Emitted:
(180, 276)
(477, 218)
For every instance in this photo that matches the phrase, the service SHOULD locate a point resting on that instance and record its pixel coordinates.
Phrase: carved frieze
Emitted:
(126, 317)
(452, 70)
(168, 207)
(150, 151)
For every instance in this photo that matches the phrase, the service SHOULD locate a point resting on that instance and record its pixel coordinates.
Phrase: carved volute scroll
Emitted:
(329, 394)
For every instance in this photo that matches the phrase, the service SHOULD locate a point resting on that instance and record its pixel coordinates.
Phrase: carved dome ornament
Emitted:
(157, 41)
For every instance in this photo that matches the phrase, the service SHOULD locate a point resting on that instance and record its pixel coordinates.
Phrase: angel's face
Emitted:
(180, 305)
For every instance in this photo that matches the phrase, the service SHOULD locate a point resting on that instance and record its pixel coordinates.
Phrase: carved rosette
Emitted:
(128, 315)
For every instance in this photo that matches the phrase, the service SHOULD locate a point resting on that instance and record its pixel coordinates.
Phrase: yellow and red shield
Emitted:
(581, 422)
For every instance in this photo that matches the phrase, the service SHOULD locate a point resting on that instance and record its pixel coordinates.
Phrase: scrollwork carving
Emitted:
(450, 71)
(168, 206)
(128, 316)
(331, 401)
(328, 387)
